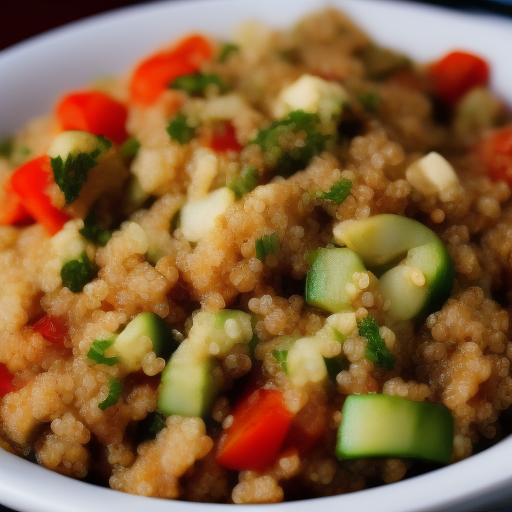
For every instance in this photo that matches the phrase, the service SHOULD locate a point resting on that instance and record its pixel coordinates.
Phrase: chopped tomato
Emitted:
(224, 139)
(456, 73)
(256, 436)
(12, 211)
(6, 381)
(495, 151)
(94, 112)
(153, 75)
(30, 182)
(51, 329)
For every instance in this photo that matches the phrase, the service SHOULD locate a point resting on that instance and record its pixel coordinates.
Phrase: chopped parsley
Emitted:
(75, 274)
(71, 174)
(130, 147)
(226, 50)
(179, 130)
(115, 388)
(370, 101)
(333, 367)
(97, 352)
(281, 356)
(6, 147)
(376, 350)
(196, 84)
(266, 245)
(381, 62)
(338, 192)
(288, 157)
(93, 232)
(157, 424)
(245, 182)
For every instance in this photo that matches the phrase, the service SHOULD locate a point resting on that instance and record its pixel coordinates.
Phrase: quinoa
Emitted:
(154, 242)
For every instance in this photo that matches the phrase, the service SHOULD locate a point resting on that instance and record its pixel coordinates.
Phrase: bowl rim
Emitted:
(482, 477)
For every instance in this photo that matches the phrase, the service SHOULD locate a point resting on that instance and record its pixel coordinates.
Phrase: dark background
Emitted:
(21, 19)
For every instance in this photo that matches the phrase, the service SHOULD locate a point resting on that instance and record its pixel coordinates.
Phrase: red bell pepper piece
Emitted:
(153, 75)
(258, 431)
(6, 381)
(52, 329)
(30, 182)
(495, 151)
(456, 73)
(224, 139)
(94, 112)
(12, 211)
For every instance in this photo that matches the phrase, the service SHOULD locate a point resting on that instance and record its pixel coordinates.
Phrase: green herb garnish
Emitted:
(266, 245)
(97, 352)
(75, 274)
(281, 356)
(245, 182)
(196, 84)
(226, 50)
(297, 156)
(370, 101)
(179, 130)
(338, 192)
(376, 350)
(6, 147)
(130, 147)
(115, 388)
(71, 175)
(93, 232)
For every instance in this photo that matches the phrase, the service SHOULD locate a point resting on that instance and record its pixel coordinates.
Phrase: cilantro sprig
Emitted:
(266, 245)
(93, 232)
(245, 182)
(71, 174)
(195, 84)
(75, 274)
(281, 356)
(179, 129)
(376, 350)
(338, 192)
(97, 352)
(226, 50)
(115, 388)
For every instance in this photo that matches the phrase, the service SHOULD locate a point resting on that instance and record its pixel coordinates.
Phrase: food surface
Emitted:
(259, 270)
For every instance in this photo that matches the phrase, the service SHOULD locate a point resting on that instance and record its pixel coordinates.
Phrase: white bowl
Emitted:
(35, 72)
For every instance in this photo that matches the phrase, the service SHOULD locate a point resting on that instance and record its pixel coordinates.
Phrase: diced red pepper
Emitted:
(52, 329)
(495, 151)
(30, 182)
(153, 75)
(258, 431)
(12, 211)
(456, 73)
(6, 381)
(224, 139)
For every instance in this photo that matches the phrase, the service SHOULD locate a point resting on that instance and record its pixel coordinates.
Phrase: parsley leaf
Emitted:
(115, 388)
(71, 174)
(93, 232)
(338, 192)
(289, 157)
(6, 147)
(370, 101)
(376, 350)
(281, 356)
(179, 130)
(97, 352)
(195, 84)
(245, 182)
(75, 274)
(130, 147)
(226, 50)
(267, 244)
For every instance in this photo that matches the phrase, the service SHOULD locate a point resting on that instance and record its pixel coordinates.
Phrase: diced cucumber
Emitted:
(392, 426)
(130, 347)
(331, 270)
(187, 387)
(386, 239)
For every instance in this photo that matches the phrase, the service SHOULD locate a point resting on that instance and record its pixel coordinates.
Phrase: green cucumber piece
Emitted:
(392, 426)
(386, 240)
(331, 270)
(128, 347)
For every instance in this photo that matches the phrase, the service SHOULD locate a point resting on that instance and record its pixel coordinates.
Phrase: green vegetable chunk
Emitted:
(281, 355)
(370, 101)
(6, 147)
(376, 350)
(75, 274)
(93, 232)
(179, 130)
(196, 84)
(266, 245)
(338, 192)
(245, 182)
(97, 352)
(130, 147)
(393, 426)
(72, 171)
(226, 50)
(115, 388)
(290, 158)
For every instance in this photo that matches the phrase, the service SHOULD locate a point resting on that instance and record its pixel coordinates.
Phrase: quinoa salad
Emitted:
(263, 269)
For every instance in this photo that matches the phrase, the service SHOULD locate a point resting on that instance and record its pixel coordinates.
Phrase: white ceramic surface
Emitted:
(35, 72)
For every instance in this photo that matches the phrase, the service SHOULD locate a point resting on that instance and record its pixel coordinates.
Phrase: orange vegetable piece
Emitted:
(224, 139)
(495, 151)
(6, 381)
(12, 211)
(256, 436)
(94, 112)
(52, 329)
(153, 75)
